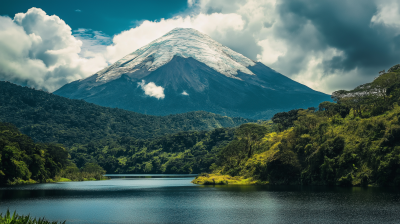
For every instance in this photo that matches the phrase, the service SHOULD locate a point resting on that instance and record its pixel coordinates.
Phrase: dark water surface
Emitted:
(176, 200)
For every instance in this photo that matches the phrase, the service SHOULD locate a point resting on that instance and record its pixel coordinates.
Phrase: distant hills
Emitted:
(50, 118)
(185, 70)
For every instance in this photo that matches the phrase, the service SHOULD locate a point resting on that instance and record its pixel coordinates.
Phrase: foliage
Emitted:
(23, 219)
(354, 141)
(50, 118)
(246, 140)
(23, 161)
(373, 98)
(284, 120)
(184, 152)
(215, 179)
(90, 171)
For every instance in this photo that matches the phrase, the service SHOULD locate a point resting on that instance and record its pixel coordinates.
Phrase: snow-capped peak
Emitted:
(183, 42)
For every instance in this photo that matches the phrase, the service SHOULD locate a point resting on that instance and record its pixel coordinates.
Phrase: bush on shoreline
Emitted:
(23, 219)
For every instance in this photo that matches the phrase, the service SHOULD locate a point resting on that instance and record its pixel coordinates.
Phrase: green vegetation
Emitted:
(119, 141)
(23, 161)
(355, 141)
(23, 219)
(90, 171)
(184, 152)
(218, 179)
(49, 118)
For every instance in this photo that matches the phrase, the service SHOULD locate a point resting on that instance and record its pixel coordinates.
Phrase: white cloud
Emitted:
(191, 3)
(78, 10)
(388, 13)
(151, 89)
(272, 49)
(40, 51)
(314, 76)
(92, 41)
(185, 93)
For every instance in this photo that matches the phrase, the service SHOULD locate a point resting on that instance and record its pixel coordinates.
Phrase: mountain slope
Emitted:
(49, 118)
(192, 72)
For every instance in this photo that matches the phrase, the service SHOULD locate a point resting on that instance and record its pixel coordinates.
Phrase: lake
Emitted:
(175, 200)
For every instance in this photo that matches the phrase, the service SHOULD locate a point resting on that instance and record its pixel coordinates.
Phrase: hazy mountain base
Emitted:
(354, 142)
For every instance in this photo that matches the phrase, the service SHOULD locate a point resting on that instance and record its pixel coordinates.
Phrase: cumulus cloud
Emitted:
(151, 89)
(185, 93)
(93, 42)
(191, 2)
(40, 51)
(388, 13)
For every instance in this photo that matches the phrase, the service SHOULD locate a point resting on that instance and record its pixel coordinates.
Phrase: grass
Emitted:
(215, 179)
(19, 181)
(62, 179)
(23, 219)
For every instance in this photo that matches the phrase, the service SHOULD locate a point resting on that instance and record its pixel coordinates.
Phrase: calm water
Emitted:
(176, 200)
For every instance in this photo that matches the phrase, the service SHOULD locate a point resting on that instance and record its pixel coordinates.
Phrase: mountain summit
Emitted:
(185, 70)
(182, 42)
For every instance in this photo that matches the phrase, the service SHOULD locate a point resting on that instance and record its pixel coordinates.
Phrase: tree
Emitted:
(251, 133)
(285, 120)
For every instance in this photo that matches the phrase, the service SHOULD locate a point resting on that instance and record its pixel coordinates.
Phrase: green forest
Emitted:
(50, 118)
(22, 161)
(354, 141)
(183, 152)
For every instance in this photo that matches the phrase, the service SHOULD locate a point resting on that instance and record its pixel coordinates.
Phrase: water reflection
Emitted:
(176, 200)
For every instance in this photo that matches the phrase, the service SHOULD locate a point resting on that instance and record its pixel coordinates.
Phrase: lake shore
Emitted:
(62, 179)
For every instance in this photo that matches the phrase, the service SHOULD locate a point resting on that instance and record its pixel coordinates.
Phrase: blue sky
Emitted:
(326, 45)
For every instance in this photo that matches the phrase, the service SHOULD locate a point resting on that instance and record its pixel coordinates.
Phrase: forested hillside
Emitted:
(355, 141)
(49, 118)
(23, 161)
(184, 152)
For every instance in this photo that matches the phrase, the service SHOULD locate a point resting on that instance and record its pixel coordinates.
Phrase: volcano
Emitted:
(185, 70)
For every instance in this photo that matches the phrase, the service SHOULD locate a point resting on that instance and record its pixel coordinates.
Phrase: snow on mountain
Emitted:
(183, 42)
